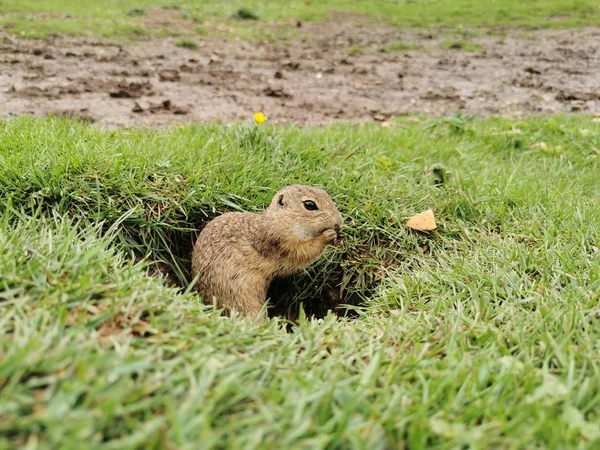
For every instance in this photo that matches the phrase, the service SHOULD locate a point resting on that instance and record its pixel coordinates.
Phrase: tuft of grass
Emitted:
(186, 43)
(528, 36)
(245, 14)
(462, 44)
(483, 333)
(135, 12)
(356, 49)
(496, 32)
(398, 46)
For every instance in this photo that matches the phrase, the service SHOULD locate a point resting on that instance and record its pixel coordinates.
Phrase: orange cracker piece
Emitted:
(424, 221)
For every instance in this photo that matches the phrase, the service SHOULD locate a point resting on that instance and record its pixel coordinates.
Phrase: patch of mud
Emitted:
(310, 81)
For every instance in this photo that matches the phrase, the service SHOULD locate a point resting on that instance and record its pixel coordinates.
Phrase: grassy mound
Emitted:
(483, 332)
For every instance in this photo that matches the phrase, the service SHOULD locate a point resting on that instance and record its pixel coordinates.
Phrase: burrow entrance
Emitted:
(318, 289)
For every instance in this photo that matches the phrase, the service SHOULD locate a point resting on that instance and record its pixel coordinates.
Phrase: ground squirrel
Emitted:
(237, 255)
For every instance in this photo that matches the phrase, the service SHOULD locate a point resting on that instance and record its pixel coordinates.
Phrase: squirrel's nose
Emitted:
(338, 228)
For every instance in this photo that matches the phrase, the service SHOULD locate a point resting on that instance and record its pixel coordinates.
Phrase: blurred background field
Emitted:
(127, 18)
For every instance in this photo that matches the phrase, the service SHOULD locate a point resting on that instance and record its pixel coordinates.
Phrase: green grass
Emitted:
(482, 334)
(126, 18)
(528, 36)
(186, 43)
(33, 28)
(356, 49)
(245, 14)
(398, 46)
(462, 44)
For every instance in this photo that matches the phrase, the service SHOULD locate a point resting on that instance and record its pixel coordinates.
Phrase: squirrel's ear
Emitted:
(280, 201)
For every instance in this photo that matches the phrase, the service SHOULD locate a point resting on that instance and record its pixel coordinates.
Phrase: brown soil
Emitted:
(155, 83)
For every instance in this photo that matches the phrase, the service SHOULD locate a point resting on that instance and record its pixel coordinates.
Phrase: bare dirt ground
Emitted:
(155, 83)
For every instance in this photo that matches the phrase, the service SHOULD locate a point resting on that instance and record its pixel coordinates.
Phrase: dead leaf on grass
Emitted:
(557, 150)
(424, 221)
(540, 146)
(123, 326)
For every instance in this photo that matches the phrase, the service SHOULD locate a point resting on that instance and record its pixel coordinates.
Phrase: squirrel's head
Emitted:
(308, 210)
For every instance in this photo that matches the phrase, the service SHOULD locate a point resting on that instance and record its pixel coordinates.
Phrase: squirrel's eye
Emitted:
(310, 205)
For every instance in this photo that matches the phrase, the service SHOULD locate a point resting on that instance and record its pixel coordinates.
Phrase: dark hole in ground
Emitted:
(287, 294)
(318, 289)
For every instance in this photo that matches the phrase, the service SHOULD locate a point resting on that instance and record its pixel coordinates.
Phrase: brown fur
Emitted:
(237, 255)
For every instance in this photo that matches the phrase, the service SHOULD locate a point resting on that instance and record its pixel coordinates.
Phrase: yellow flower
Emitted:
(259, 117)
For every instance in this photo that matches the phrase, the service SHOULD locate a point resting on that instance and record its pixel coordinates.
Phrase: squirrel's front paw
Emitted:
(330, 235)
